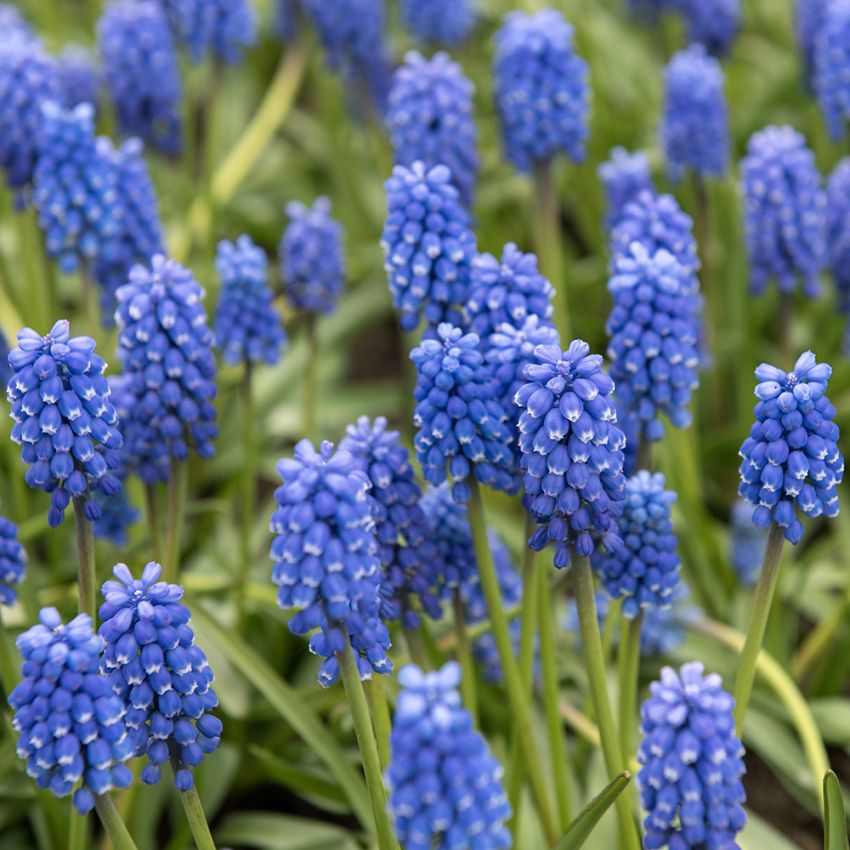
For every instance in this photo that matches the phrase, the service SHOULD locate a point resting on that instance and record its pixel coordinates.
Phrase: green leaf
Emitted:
(292, 709)
(834, 821)
(270, 831)
(759, 834)
(583, 825)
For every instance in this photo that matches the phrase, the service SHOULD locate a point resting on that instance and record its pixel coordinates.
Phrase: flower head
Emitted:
(747, 543)
(326, 558)
(838, 236)
(64, 421)
(428, 245)
(691, 762)
(247, 326)
(445, 786)
(541, 88)
(654, 330)
(70, 725)
(791, 458)
(663, 629)
(79, 76)
(461, 418)
(785, 218)
(405, 546)
(832, 65)
(430, 118)
(312, 261)
(644, 571)
(808, 18)
(438, 21)
(166, 349)
(13, 25)
(13, 561)
(225, 28)
(624, 176)
(142, 72)
(695, 129)
(572, 451)
(714, 23)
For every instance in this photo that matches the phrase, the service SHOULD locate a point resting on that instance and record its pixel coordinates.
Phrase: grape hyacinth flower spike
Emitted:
(223, 28)
(838, 238)
(438, 21)
(808, 19)
(79, 76)
(747, 543)
(624, 176)
(713, 23)
(13, 561)
(831, 66)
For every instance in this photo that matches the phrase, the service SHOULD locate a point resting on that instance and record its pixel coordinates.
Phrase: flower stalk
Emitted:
(464, 656)
(628, 666)
(113, 825)
(174, 527)
(86, 575)
(197, 819)
(249, 484)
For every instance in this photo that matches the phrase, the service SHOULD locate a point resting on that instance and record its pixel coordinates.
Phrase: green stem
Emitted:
(174, 524)
(551, 701)
(153, 522)
(115, 828)
(520, 704)
(86, 576)
(819, 639)
(464, 656)
(595, 664)
(762, 601)
(368, 746)
(78, 832)
(416, 648)
(9, 663)
(249, 484)
(376, 693)
(308, 403)
(196, 818)
(786, 324)
(628, 666)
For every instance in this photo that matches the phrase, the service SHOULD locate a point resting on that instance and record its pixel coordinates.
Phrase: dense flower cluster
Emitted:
(448, 526)
(541, 88)
(838, 236)
(654, 330)
(142, 72)
(247, 327)
(312, 261)
(160, 674)
(428, 245)
(695, 128)
(225, 28)
(166, 349)
(438, 21)
(13, 25)
(13, 561)
(70, 725)
(326, 561)
(747, 543)
(785, 219)
(808, 17)
(791, 457)
(64, 421)
(572, 455)
(79, 76)
(624, 176)
(430, 119)
(644, 571)
(445, 786)
(408, 555)
(832, 65)
(691, 762)
(461, 421)
(714, 23)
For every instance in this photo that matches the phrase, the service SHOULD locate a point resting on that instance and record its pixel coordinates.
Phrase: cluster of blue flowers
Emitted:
(408, 554)
(808, 18)
(791, 457)
(747, 543)
(64, 422)
(831, 66)
(572, 455)
(624, 177)
(159, 673)
(438, 21)
(691, 762)
(165, 347)
(644, 571)
(326, 558)
(838, 236)
(430, 119)
(785, 218)
(13, 561)
(695, 129)
(428, 245)
(79, 76)
(224, 28)
(312, 261)
(461, 420)
(247, 327)
(541, 88)
(70, 725)
(142, 72)
(714, 23)
(445, 786)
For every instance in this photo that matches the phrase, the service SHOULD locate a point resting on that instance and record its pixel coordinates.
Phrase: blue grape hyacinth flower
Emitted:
(791, 458)
(691, 762)
(438, 21)
(407, 552)
(75, 188)
(747, 543)
(838, 237)
(223, 28)
(808, 19)
(13, 25)
(832, 66)
(624, 177)
(142, 72)
(64, 421)
(572, 451)
(312, 260)
(165, 346)
(70, 725)
(445, 787)
(430, 118)
(5, 368)
(644, 571)
(695, 127)
(541, 87)
(654, 335)
(448, 525)
(159, 673)
(13, 561)
(326, 559)
(714, 23)
(247, 326)
(785, 215)
(461, 419)
(79, 76)
(428, 245)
